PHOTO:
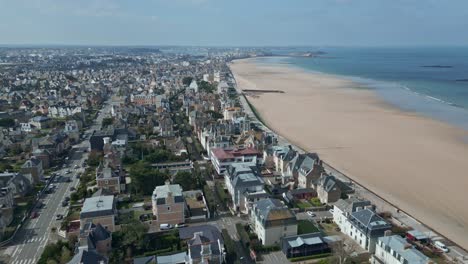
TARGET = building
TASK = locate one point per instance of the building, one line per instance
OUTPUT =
(168, 204)
(97, 238)
(40, 122)
(242, 180)
(271, 220)
(364, 226)
(196, 205)
(99, 210)
(222, 158)
(175, 166)
(108, 179)
(33, 167)
(395, 250)
(304, 245)
(194, 86)
(204, 244)
(328, 189)
(343, 208)
(86, 256)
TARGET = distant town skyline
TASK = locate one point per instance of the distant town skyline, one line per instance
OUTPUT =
(234, 23)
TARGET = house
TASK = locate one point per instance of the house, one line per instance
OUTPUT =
(166, 127)
(86, 256)
(416, 235)
(204, 244)
(176, 146)
(396, 250)
(42, 155)
(99, 210)
(240, 181)
(328, 188)
(97, 238)
(96, 140)
(168, 204)
(6, 208)
(40, 122)
(304, 245)
(343, 208)
(33, 167)
(304, 169)
(222, 158)
(364, 226)
(271, 220)
(18, 183)
(108, 179)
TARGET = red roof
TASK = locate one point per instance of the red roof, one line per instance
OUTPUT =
(222, 154)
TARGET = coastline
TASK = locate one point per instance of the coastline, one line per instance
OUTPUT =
(385, 149)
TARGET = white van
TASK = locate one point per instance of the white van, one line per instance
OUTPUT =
(165, 226)
(441, 246)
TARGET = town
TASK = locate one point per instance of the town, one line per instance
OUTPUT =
(153, 155)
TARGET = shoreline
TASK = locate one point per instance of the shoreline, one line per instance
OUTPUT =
(262, 108)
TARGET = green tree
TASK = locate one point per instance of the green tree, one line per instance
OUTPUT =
(144, 178)
(187, 80)
(186, 180)
(7, 122)
(66, 255)
(107, 121)
(94, 158)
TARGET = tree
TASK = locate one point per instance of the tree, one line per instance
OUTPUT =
(94, 158)
(187, 80)
(66, 255)
(206, 86)
(186, 180)
(107, 121)
(7, 122)
(144, 178)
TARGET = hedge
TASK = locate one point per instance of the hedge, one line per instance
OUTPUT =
(244, 237)
(231, 249)
(323, 255)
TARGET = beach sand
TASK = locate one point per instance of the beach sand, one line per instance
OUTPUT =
(415, 162)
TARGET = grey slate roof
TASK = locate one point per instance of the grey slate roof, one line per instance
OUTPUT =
(88, 257)
(368, 220)
(98, 206)
(198, 235)
(350, 205)
(398, 245)
(268, 210)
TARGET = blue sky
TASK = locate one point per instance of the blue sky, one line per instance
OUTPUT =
(235, 22)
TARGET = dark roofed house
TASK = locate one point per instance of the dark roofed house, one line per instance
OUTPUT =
(205, 244)
(328, 188)
(304, 245)
(96, 237)
(85, 256)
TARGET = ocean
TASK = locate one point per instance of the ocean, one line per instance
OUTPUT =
(430, 81)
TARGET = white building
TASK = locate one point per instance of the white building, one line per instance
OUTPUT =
(360, 223)
(395, 250)
(194, 86)
(222, 158)
(242, 180)
(271, 220)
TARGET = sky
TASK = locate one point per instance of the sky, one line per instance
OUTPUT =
(235, 22)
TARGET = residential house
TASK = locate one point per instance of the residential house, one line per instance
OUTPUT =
(87, 256)
(305, 169)
(42, 155)
(204, 244)
(176, 146)
(240, 181)
(99, 210)
(33, 167)
(197, 207)
(40, 122)
(396, 250)
(328, 188)
(271, 220)
(108, 179)
(18, 183)
(96, 237)
(364, 226)
(168, 204)
(222, 158)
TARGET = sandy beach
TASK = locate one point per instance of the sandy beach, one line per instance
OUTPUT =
(415, 162)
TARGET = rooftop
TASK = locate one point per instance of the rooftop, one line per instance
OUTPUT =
(405, 250)
(98, 206)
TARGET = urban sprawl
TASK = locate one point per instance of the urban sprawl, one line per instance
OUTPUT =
(145, 155)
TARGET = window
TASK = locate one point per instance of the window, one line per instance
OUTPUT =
(168, 208)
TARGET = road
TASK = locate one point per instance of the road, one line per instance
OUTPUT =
(29, 242)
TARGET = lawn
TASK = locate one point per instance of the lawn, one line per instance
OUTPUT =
(315, 202)
(330, 228)
(306, 227)
(303, 204)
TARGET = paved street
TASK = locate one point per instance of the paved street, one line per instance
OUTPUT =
(31, 239)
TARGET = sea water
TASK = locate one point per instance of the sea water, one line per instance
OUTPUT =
(432, 81)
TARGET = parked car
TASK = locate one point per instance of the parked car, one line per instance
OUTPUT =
(67, 198)
(59, 217)
(441, 246)
(64, 203)
(34, 215)
(72, 189)
(310, 214)
(165, 226)
(180, 225)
